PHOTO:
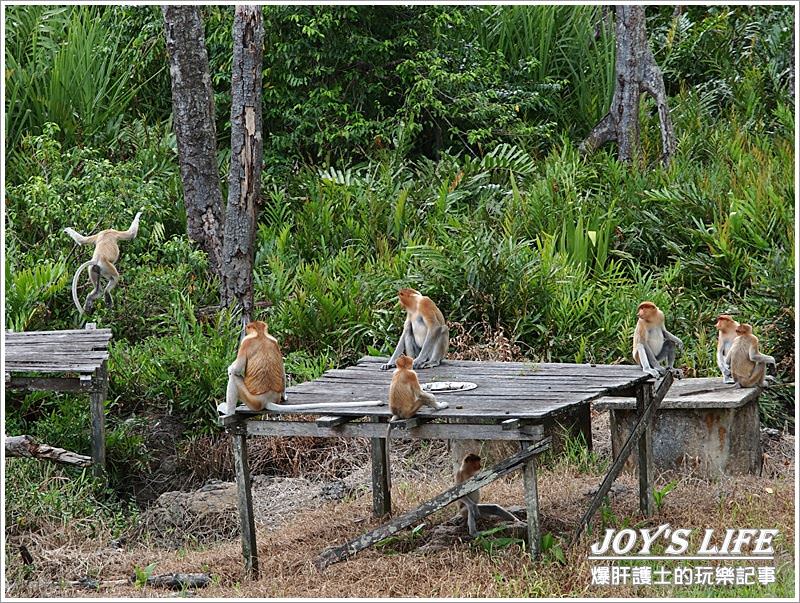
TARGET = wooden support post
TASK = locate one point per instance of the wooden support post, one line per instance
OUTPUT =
(531, 503)
(98, 410)
(245, 501)
(381, 486)
(479, 480)
(584, 422)
(644, 397)
(643, 424)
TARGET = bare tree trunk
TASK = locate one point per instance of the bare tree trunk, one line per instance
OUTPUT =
(195, 131)
(637, 73)
(246, 156)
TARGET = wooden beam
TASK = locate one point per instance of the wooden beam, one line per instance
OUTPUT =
(531, 505)
(479, 480)
(54, 384)
(644, 398)
(245, 501)
(642, 424)
(428, 431)
(98, 409)
(381, 477)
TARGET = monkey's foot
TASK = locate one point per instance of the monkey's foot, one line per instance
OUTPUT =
(222, 408)
(387, 366)
(652, 372)
(728, 380)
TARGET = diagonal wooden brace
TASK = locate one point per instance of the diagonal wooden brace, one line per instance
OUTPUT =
(477, 481)
(636, 434)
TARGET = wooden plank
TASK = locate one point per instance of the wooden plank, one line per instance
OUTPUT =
(495, 387)
(493, 409)
(376, 360)
(642, 424)
(55, 384)
(428, 431)
(65, 332)
(20, 367)
(356, 394)
(332, 421)
(381, 476)
(531, 505)
(700, 393)
(480, 480)
(98, 409)
(40, 356)
(245, 502)
(509, 424)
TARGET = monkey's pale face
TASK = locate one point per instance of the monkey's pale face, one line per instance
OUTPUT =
(724, 323)
(647, 311)
(407, 297)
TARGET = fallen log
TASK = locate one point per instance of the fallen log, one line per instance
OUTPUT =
(179, 581)
(24, 446)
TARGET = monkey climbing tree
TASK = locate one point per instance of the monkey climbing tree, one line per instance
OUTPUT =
(636, 73)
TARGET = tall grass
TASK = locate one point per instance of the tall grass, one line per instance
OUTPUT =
(63, 66)
(567, 45)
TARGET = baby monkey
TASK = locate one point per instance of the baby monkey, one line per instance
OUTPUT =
(470, 506)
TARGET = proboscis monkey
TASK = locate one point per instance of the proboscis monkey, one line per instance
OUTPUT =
(727, 333)
(470, 505)
(106, 253)
(257, 377)
(406, 398)
(652, 342)
(425, 336)
(746, 365)
(405, 393)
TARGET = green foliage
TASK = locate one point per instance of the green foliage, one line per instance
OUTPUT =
(48, 499)
(143, 574)
(660, 494)
(29, 290)
(64, 66)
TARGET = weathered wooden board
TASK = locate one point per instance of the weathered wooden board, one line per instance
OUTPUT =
(707, 392)
(428, 431)
(49, 384)
(51, 368)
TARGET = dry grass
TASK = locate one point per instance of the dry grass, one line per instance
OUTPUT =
(461, 569)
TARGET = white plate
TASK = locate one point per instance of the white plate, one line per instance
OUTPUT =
(448, 387)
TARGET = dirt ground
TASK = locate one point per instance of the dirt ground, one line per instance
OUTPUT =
(436, 559)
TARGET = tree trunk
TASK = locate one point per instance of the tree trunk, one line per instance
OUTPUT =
(246, 155)
(636, 73)
(195, 131)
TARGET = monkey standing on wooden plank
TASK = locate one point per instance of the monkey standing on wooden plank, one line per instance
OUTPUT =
(425, 336)
(106, 253)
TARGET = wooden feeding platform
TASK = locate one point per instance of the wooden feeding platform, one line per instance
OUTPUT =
(512, 401)
(64, 361)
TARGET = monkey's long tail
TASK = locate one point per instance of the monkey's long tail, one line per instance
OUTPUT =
(323, 405)
(75, 285)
